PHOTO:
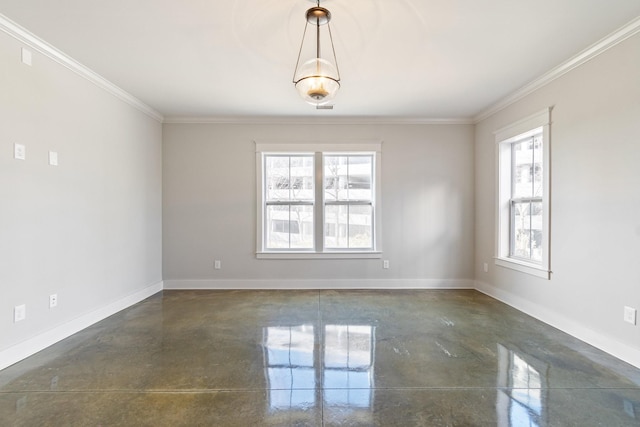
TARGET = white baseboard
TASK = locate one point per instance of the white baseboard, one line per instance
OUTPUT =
(322, 284)
(615, 348)
(33, 345)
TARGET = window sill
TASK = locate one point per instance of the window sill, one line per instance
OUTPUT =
(524, 267)
(319, 255)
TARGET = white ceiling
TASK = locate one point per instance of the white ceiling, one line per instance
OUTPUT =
(447, 59)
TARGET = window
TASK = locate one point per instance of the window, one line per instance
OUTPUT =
(348, 201)
(523, 195)
(289, 201)
(318, 200)
(525, 204)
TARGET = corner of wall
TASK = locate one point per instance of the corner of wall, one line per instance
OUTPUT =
(33, 345)
(613, 347)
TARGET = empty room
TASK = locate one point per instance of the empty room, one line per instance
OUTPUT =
(320, 213)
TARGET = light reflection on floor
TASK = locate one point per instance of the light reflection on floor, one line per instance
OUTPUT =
(521, 384)
(346, 368)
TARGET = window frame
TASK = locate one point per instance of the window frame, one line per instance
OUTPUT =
(319, 149)
(505, 138)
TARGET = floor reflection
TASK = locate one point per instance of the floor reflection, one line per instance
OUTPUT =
(289, 362)
(521, 385)
(293, 367)
(348, 365)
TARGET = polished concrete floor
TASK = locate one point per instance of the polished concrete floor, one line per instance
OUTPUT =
(320, 358)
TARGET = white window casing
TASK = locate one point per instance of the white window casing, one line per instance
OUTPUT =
(505, 138)
(319, 151)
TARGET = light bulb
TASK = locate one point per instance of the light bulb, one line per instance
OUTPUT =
(317, 81)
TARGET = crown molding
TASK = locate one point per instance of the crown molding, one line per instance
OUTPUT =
(618, 36)
(23, 35)
(306, 120)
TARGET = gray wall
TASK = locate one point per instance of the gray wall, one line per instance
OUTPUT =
(595, 212)
(209, 207)
(88, 229)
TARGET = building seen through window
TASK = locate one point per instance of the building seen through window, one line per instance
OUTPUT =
(298, 206)
(526, 198)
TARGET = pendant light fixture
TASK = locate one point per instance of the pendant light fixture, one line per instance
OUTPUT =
(318, 78)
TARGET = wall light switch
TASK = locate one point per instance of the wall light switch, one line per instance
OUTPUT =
(19, 313)
(486, 267)
(19, 152)
(26, 56)
(53, 158)
(630, 315)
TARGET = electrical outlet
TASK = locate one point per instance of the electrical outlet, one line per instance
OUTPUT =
(486, 267)
(630, 315)
(19, 313)
(217, 264)
(53, 300)
(385, 264)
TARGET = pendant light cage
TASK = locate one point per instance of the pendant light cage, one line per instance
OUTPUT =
(316, 76)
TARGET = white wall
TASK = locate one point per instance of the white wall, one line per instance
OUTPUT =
(595, 197)
(209, 208)
(88, 229)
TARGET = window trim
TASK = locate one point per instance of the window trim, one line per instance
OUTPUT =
(504, 138)
(319, 149)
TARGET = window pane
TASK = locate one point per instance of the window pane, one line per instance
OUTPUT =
(335, 178)
(360, 226)
(522, 169)
(289, 178)
(301, 226)
(336, 223)
(348, 226)
(302, 178)
(289, 227)
(360, 171)
(537, 166)
(277, 178)
(527, 230)
(527, 167)
(536, 231)
(348, 177)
